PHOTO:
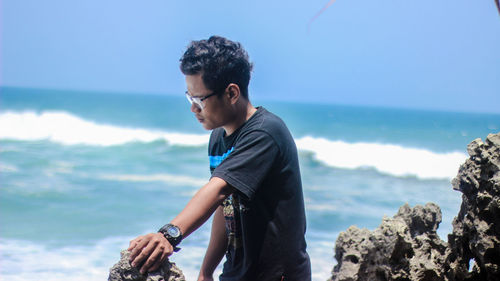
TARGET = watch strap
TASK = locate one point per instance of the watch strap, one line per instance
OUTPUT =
(174, 241)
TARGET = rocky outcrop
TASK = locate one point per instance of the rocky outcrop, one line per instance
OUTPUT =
(123, 271)
(407, 247)
(474, 245)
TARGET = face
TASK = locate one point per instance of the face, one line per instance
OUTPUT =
(215, 111)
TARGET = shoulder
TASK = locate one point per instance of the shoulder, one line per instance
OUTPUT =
(266, 127)
(216, 135)
(266, 121)
(270, 124)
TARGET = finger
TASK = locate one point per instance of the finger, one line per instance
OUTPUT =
(145, 252)
(156, 265)
(139, 248)
(153, 258)
(160, 261)
(134, 252)
(135, 240)
(139, 257)
(133, 243)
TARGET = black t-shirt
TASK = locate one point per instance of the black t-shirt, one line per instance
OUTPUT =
(265, 217)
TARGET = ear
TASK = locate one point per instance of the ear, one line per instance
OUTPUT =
(233, 92)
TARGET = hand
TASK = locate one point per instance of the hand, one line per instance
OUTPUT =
(152, 248)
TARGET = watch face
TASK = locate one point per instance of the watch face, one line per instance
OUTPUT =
(173, 231)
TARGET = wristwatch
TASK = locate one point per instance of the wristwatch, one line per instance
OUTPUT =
(173, 235)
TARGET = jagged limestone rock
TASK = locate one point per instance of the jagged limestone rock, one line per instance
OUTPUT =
(123, 271)
(407, 247)
(476, 230)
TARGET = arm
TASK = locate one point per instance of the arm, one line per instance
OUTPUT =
(216, 248)
(153, 248)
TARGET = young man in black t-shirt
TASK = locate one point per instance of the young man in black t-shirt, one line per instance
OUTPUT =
(255, 191)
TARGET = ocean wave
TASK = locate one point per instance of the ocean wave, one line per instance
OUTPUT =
(26, 260)
(386, 158)
(167, 178)
(68, 129)
(392, 159)
(5, 168)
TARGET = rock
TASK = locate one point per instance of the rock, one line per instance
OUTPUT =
(476, 229)
(407, 247)
(123, 271)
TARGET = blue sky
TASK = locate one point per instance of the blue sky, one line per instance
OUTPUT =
(425, 54)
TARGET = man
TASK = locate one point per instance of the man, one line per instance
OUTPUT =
(255, 190)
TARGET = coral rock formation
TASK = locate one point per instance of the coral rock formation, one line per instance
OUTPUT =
(123, 271)
(476, 230)
(407, 247)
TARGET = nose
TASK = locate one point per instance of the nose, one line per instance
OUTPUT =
(195, 108)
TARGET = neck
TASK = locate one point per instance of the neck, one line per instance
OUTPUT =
(243, 112)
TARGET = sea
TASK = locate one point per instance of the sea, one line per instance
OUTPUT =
(83, 173)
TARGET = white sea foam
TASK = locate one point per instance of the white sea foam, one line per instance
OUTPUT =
(5, 168)
(68, 129)
(26, 260)
(167, 178)
(321, 256)
(23, 260)
(65, 128)
(387, 158)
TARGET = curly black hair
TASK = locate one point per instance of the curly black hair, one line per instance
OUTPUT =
(220, 61)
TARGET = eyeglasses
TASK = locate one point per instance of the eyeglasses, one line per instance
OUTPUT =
(198, 101)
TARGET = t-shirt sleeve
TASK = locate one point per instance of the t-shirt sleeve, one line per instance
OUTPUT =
(249, 163)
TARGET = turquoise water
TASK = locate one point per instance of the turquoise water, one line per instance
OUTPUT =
(83, 173)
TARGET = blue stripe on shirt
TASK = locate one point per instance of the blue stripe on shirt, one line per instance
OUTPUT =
(217, 159)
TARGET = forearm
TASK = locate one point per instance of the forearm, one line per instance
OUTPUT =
(152, 249)
(217, 246)
(202, 205)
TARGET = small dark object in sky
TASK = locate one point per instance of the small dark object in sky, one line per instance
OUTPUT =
(321, 11)
(331, 2)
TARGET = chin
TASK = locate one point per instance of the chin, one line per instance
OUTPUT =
(207, 127)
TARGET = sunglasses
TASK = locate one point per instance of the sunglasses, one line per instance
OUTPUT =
(198, 101)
